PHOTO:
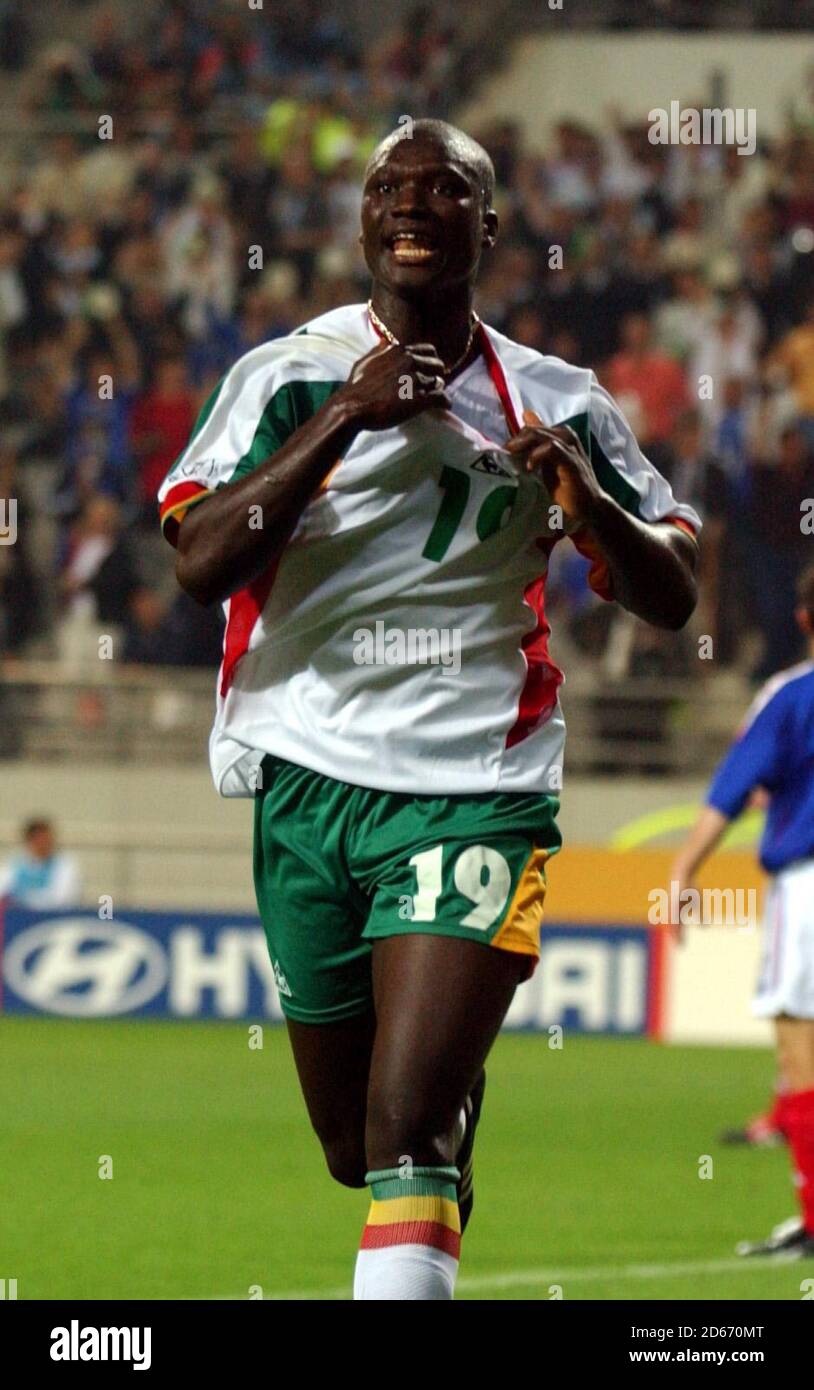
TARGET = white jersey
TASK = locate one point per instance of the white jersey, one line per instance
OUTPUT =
(400, 640)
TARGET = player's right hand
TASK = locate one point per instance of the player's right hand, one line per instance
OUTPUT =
(392, 384)
(679, 880)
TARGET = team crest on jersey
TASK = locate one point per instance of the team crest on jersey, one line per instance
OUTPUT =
(487, 463)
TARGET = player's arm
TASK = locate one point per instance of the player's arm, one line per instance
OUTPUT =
(651, 565)
(753, 761)
(221, 547)
(704, 837)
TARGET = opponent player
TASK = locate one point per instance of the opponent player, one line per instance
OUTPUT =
(775, 751)
(366, 499)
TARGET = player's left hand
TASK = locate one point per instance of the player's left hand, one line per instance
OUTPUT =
(555, 453)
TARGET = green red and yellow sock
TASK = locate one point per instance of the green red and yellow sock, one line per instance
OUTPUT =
(411, 1243)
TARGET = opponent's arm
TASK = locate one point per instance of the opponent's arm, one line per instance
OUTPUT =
(754, 760)
(707, 832)
(651, 564)
(219, 552)
(705, 835)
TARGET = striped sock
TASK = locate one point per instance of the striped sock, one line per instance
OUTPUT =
(412, 1240)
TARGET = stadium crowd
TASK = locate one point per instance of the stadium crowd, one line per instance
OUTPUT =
(134, 270)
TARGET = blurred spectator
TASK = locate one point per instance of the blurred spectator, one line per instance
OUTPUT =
(200, 258)
(777, 546)
(795, 355)
(40, 876)
(696, 476)
(726, 352)
(649, 386)
(298, 215)
(160, 426)
(99, 577)
(98, 407)
(181, 633)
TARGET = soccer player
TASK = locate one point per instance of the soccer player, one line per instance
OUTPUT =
(775, 751)
(374, 498)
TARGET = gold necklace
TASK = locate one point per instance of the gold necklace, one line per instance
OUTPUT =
(391, 337)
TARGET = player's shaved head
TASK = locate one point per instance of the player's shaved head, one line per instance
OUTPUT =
(453, 142)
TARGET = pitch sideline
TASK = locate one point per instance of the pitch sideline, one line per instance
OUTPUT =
(520, 1278)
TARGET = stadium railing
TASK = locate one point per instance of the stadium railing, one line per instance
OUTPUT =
(148, 714)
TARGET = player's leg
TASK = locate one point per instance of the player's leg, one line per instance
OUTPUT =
(795, 1042)
(313, 917)
(785, 993)
(456, 886)
(333, 1066)
(792, 928)
(440, 1002)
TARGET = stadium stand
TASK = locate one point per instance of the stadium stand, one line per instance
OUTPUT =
(127, 259)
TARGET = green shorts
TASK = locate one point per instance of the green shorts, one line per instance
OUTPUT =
(336, 866)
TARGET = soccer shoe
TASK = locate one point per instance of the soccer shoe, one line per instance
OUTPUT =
(790, 1239)
(760, 1133)
(464, 1160)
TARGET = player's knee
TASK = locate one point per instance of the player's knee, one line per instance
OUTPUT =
(346, 1161)
(421, 1131)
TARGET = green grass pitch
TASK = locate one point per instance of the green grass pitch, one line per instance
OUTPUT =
(587, 1170)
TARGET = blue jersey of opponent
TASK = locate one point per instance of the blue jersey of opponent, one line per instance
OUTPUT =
(775, 750)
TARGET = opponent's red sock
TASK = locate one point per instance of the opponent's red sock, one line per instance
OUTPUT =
(777, 1115)
(798, 1126)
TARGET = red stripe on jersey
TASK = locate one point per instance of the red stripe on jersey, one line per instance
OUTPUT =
(682, 525)
(543, 679)
(245, 608)
(182, 492)
(494, 368)
(498, 376)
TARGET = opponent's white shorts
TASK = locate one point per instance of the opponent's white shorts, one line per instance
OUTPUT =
(786, 979)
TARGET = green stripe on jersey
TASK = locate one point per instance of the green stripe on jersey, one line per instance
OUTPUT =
(291, 406)
(609, 477)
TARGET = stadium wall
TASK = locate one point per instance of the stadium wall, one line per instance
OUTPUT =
(174, 859)
(550, 79)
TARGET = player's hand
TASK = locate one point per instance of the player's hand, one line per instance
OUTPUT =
(679, 877)
(392, 384)
(555, 453)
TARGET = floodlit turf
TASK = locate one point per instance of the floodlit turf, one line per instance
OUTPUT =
(587, 1169)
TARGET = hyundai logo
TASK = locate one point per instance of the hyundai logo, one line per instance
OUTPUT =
(81, 967)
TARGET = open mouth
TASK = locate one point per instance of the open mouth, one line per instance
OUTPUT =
(412, 248)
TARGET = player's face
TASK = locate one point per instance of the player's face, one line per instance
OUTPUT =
(423, 220)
